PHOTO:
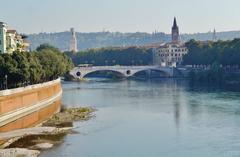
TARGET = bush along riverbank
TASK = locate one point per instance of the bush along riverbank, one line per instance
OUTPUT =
(215, 74)
(26, 68)
(221, 58)
(29, 142)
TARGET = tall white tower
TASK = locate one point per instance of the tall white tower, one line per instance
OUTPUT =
(73, 42)
(3, 31)
(214, 35)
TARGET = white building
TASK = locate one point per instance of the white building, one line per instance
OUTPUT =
(11, 41)
(170, 54)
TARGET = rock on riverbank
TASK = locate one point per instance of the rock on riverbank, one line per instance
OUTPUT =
(19, 152)
(67, 116)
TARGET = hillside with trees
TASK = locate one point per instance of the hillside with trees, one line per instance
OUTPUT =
(220, 61)
(117, 39)
(226, 53)
(113, 56)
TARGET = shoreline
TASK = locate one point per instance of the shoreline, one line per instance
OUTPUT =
(30, 142)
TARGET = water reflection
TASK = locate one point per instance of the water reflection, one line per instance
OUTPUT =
(177, 111)
(153, 118)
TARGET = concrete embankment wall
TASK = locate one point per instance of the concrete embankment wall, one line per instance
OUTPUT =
(29, 106)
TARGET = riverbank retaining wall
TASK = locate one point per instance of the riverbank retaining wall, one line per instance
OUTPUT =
(29, 106)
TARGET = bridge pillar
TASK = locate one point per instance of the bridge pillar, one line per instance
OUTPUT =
(149, 73)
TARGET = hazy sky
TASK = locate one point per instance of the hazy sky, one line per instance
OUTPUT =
(34, 16)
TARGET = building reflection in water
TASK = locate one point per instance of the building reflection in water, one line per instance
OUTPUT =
(177, 105)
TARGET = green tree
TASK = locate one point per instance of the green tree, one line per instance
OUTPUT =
(43, 65)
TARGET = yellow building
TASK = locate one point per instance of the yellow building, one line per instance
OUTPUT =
(11, 41)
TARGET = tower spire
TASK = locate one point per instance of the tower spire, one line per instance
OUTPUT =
(175, 23)
(175, 31)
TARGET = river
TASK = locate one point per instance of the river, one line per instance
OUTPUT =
(165, 118)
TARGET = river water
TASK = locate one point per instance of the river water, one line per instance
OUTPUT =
(165, 118)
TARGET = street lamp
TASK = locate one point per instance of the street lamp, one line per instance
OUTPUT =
(6, 79)
(133, 62)
(106, 62)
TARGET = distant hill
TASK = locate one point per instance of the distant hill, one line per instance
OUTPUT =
(116, 39)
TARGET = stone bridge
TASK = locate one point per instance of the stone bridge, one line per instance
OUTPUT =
(124, 71)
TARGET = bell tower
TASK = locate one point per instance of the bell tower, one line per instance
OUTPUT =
(73, 42)
(214, 35)
(3, 31)
(175, 32)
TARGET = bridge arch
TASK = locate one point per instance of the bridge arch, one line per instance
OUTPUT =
(128, 72)
(78, 73)
(105, 72)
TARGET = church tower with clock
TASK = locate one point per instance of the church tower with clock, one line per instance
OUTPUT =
(175, 32)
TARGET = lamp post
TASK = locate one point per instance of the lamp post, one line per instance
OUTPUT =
(133, 62)
(6, 79)
(106, 62)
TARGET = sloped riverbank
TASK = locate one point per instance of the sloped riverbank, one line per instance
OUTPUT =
(29, 142)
